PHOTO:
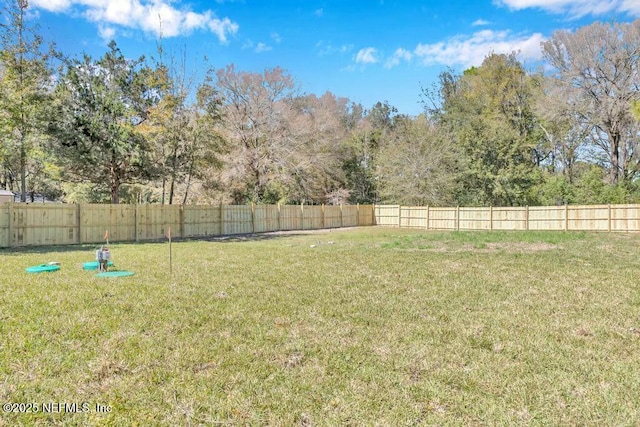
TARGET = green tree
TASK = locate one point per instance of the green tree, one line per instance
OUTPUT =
(100, 104)
(487, 111)
(25, 85)
(180, 130)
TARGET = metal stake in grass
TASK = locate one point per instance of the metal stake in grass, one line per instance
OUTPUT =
(170, 251)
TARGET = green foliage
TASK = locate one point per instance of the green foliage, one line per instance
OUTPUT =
(24, 96)
(635, 109)
(555, 190)
(488, 112)
(100, 103)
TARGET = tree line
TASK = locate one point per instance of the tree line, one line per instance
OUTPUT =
(113, 129)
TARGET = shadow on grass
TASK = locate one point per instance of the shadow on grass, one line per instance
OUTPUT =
(232, 238)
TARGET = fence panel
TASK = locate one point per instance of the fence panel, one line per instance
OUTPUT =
(154, 220)
(442, 218)
(387, 215)
(365, 215)
(43, 224)
(96, 219)
(625, 218)
(474, 218)
(312, 217)
(590, 218)
(413, 216)
(332, 217)
(266, 218)
(510, 218)
(202, 221)
(349, 215)
(546, 218)
(237, 219)
(290, 217)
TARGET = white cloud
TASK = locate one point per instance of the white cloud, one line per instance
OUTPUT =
(480, 22)
(261, 47)
(158, 17)
(576, 8)
(276, 37)
(325, 48)
(399, 55)
(107, 33)
(468, 51)
(367, 56)
(319, 12)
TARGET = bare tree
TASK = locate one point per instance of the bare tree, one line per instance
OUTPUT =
(417, 164)
(597, 67)
(312, 157)
(254, 110)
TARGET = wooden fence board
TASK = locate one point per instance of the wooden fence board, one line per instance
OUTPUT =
(237, 219)
(387, 215)
(35, 225)
(202, 221)
(332, 217)
(349, 215)
(365, 215)
(312, 217)
(442, 218)
(413, 216)
(474, 219)
(6, 210)
(266, 218)
(546, 217)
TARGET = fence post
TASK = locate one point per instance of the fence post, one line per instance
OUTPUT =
(427, 227)
(490, 218)
(79, 220)
(357, 214)
(609, 218)
(182, 220)
(324, 221)
(341, 220)
(399, 215)
(566, 217)
(9, 227)
(279, 225)
(136, 222)
(253, 218)
(526, 217)
(221, 219)
(457, 218)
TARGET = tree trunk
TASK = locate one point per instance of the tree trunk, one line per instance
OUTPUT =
(23, 172)
(615, 157)
(114, 186)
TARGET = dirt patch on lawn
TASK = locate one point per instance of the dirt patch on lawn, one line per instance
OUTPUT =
(521, 247)
(498, 247)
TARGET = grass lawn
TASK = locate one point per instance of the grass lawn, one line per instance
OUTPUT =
(381, 326)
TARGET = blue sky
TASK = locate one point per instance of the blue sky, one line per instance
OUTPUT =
(367, 51)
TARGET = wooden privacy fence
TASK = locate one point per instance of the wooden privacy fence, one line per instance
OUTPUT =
(62, 224)
(622, 218)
